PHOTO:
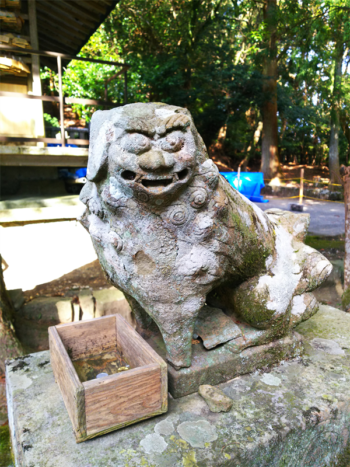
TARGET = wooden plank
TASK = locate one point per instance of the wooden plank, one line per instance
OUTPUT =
(67, 100)
(58, 6)
(115, 400)
(46, 53)
(95, 6)
(80, 100)
(59, 28)
(88, 337)
(24, 139)
(139, 353)
(79, 11)
(60, 49)
(54, 12)
(30, 160)
(65, 39)
(70, 386)
(55, 45)
(135, 349)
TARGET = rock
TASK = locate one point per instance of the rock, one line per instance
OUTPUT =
(87, 304)
(34, 318)
(111, 301)
(216, 399)
(214, 327)
(173, 235)
(17, 298)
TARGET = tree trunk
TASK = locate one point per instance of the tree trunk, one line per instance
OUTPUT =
(335, 117)
(346, 130)
(10, 346)
(269, 148)
(346, 294)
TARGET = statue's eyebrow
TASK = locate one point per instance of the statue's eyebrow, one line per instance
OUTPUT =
(176, 122)
(139, 126)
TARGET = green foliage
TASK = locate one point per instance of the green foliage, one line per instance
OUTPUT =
(51, 121)
(209, 56)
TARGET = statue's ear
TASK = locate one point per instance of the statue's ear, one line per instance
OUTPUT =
(101, 135)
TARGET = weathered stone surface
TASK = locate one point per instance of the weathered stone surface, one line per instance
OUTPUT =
(214, 327)
(215, 398)
(224, 363)
(34, 318)
(17, 298)
(111, 301)
(296, 415)
(173, 235)
(87, 304)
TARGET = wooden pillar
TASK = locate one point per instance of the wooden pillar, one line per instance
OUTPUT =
(34, 42)
(60, 94)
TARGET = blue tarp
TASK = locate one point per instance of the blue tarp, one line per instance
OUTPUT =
(250, 184)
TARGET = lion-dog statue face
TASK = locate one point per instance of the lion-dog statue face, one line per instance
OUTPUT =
(176, 238)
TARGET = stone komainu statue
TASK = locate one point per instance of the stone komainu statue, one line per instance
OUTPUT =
(173, 235)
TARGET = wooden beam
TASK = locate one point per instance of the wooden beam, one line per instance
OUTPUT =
(67, 100)
(20, 95)
(63, 56)
(59, 5)
(55, 13)
(79, 10)
(26, 160)
(95, 6)
(59, 30)
(48, 45)
(55, 44)
(20, 139)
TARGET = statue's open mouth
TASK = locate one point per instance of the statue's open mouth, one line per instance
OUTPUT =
(156, 183)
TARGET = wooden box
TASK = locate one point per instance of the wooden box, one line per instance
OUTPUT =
(102, 405)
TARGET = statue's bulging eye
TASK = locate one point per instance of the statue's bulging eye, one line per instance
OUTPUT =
(135, 143)
(173, 142)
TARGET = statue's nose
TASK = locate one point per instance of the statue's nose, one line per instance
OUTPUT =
(154, 160)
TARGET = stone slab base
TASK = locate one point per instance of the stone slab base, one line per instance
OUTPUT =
(297, 414)
(221, 364)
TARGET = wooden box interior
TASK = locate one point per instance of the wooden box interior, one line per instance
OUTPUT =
(102, 405)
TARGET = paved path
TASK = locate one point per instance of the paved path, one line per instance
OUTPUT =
(326, 218)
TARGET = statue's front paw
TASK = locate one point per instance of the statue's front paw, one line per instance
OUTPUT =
(236, 345)
(179, 363)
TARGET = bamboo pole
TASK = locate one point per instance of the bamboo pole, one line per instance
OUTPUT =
(301, 190)
(125, 86)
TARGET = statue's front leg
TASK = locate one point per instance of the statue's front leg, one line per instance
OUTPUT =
(176, 323)
(178, 343)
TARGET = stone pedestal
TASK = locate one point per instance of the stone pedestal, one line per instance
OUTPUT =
(295, 414)
(221, 364)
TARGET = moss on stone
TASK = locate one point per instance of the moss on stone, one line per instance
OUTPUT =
(324, 243)
(5, 447)
(345, 299)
